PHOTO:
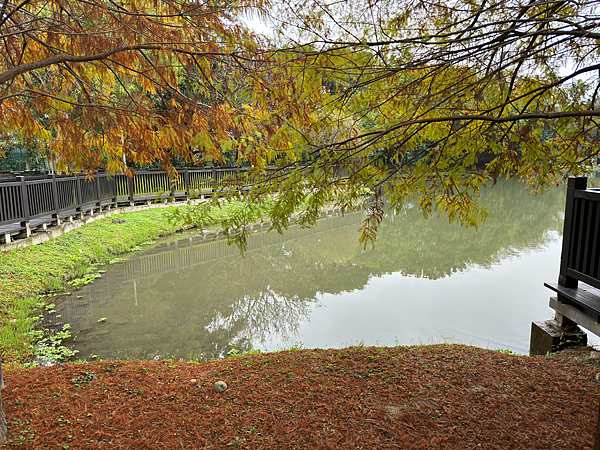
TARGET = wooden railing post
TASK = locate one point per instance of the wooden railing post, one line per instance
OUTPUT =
(131, 190)
(173, 182)
(214, 178)
(98, 190)
(186, 182)
(25, 206)
(56, 214)
(114, 188)
(79, 207)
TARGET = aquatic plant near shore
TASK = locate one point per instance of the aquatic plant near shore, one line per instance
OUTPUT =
(48, 348)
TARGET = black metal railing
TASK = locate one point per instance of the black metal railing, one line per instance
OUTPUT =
(27, 203)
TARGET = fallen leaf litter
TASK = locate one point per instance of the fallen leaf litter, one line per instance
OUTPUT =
(424, 397)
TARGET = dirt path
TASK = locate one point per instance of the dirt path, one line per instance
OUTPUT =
(425, 397)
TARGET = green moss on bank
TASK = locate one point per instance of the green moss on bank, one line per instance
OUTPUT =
(27, 273)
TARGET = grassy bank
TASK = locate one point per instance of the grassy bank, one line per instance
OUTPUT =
(28, 275)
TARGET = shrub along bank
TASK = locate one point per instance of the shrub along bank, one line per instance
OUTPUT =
(30, 277)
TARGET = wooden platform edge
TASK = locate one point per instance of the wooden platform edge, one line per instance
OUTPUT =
(576, 315)
(582, 297)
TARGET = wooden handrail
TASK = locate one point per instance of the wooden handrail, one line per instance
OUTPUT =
(29, 202)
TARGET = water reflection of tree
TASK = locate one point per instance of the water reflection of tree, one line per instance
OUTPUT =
(204, 310)
(433, 249)
(265, 293)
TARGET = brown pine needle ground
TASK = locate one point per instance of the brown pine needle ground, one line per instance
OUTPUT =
(425, 397)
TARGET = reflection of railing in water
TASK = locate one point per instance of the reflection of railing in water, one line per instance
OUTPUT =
(183, 256)
(177, 256)
(75, 309)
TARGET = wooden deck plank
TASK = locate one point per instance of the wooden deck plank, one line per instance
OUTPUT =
(584, 296)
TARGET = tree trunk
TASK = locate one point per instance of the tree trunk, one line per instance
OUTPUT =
(3, 430)
(597, 443)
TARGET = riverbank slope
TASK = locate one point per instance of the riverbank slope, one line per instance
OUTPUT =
(423, 397)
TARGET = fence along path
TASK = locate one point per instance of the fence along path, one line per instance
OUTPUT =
(182, 255)
(28, 204)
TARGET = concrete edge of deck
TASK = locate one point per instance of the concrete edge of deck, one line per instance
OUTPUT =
(40, 237)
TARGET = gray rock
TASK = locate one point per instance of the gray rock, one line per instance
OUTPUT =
(594, 355)
(118, 221)
(220, 386)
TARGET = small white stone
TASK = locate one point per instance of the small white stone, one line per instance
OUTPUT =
(193, 381)
(220, 386)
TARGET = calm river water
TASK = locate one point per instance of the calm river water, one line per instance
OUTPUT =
(425, 282)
